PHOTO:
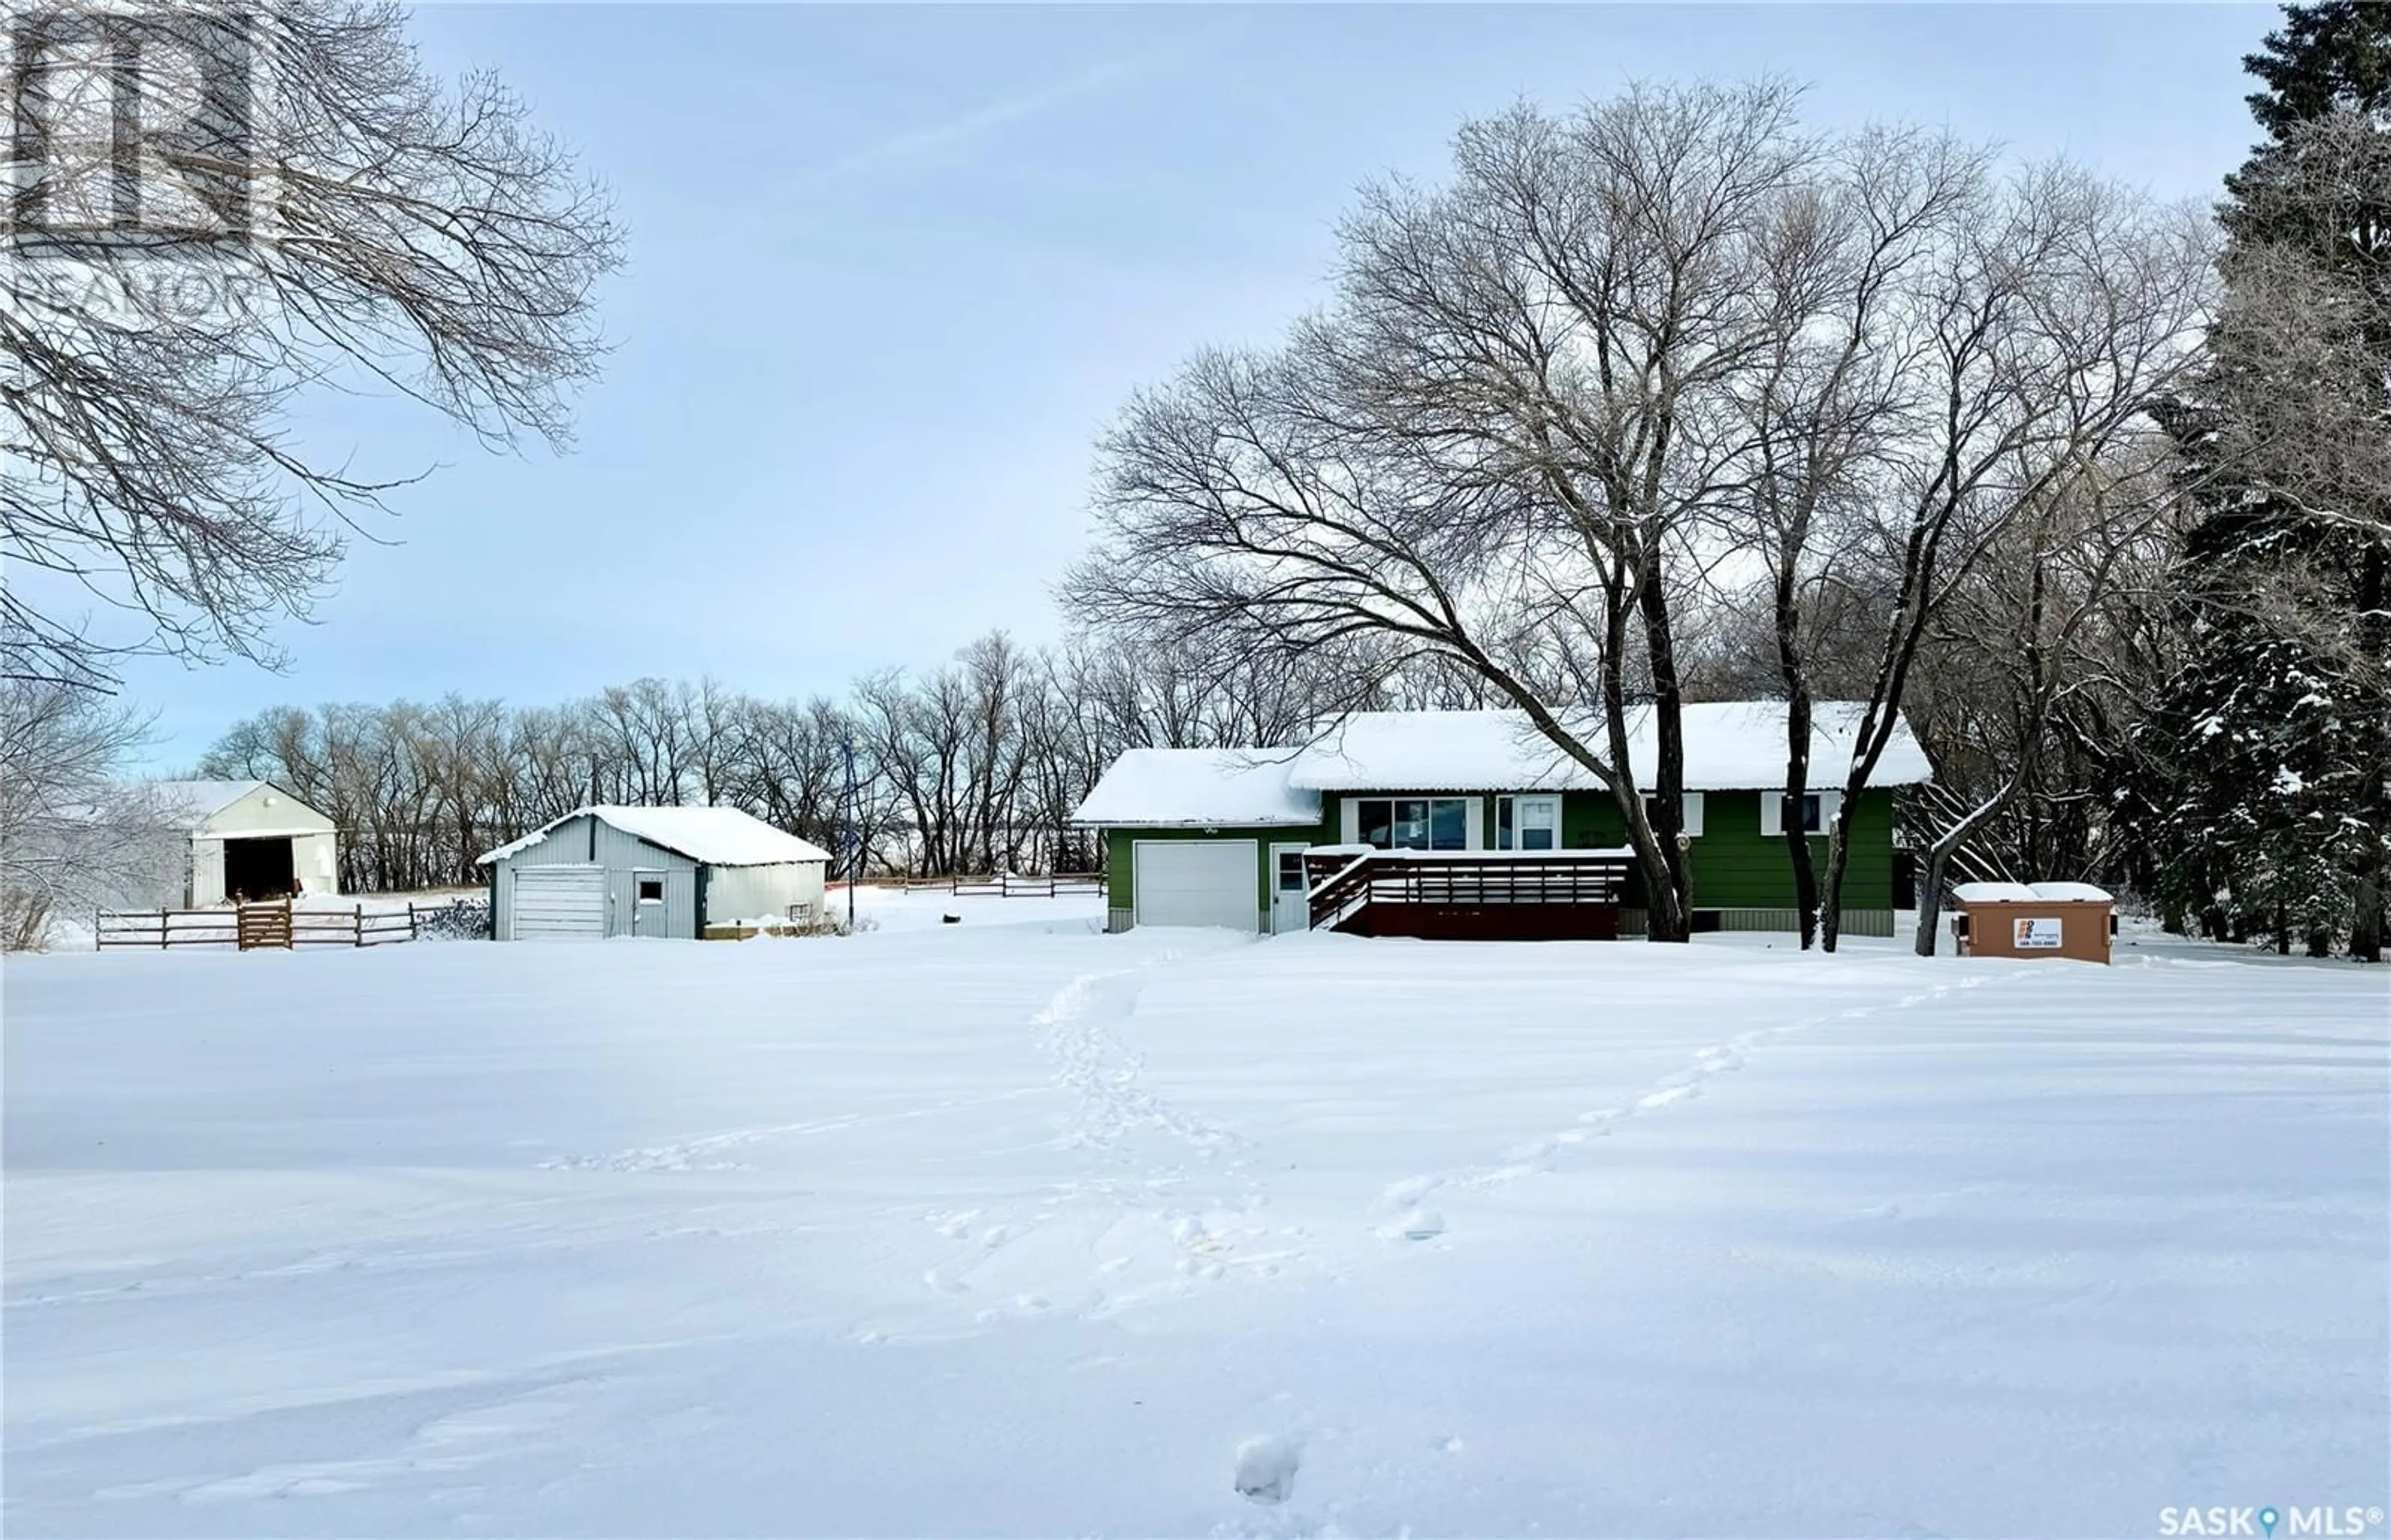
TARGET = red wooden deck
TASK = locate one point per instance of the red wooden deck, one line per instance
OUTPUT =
(1475, 895)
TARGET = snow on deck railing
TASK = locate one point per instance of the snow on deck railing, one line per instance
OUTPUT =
(1364, 853)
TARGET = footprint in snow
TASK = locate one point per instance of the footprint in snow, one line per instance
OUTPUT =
(1669, 1097)
(1266, 1467)
(1415, 1225)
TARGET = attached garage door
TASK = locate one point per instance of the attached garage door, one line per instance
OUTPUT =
(558, 901)
(1197, 882)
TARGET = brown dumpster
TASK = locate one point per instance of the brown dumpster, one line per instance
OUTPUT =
(2038, 919)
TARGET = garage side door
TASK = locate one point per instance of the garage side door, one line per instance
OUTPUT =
(1197, 882)
(558, 901)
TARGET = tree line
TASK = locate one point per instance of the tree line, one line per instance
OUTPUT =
(974, 766)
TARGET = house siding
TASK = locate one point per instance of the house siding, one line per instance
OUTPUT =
(1735, 866)
(1737, 869)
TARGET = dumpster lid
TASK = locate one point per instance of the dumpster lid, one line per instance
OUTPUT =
(2022, 893)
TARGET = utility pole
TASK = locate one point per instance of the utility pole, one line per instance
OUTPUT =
(853, 839)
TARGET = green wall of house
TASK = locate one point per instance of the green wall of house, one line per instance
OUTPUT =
(1735, 867)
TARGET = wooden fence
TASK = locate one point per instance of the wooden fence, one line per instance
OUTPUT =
(999, 885)
(253, 925)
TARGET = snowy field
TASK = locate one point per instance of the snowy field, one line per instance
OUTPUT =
(1009, 1227)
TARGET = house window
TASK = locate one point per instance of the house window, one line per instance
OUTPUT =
(1815, 810)
(1290, 872)
(1689, 817)
(1527, 822)
(1777, 810)
(651, 889)
(1414, 823)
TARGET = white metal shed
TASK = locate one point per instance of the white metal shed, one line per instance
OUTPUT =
(651, 871)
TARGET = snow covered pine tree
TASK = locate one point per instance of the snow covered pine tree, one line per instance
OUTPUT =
(2272, 743)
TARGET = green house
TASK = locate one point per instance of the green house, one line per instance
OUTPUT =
(1239, 837)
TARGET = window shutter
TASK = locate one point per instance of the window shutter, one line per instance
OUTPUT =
(1692, 803)
(1772, 814)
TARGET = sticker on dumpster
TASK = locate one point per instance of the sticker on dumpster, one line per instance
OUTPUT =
(2037, 934)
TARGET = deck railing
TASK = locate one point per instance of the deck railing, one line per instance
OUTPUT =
(1345, 882)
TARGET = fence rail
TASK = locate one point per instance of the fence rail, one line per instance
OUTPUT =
(996, 884)
(253, 925)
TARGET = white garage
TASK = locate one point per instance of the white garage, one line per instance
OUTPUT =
(553, 902)
(1202, 837)
(1197, 882)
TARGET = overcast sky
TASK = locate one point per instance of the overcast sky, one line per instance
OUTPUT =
(892, 269)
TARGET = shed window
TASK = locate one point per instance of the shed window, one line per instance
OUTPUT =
(651, 889)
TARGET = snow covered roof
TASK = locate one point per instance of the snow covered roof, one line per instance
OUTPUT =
(195, 804)
(1199, 789)
(2030, 892)
(1733, 745)
(716, 836)
(203, 799)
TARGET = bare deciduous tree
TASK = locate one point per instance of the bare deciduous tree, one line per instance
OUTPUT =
(1486, 454)
(2060, 312)
(74, 836)
(397, 234)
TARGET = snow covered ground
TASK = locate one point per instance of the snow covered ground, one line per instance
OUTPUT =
(1009, 1227)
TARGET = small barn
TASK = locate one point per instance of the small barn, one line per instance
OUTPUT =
(249, 840)
(666, 872)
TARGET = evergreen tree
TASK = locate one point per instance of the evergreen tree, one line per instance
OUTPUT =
(2332, 56)
(2272, 740)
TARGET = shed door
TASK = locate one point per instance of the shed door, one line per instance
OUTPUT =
(1197, 882)
(650, 912)
(558, 901)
